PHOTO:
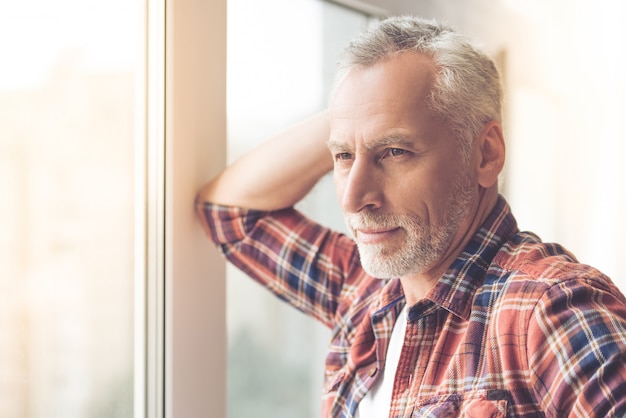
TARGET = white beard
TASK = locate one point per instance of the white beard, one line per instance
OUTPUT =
(423, 243)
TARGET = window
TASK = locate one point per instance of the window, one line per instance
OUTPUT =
(281, 62)
(70, 119)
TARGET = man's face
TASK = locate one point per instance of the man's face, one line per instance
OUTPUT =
(403, 185)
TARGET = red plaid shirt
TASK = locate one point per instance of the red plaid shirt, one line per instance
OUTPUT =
(515, 327)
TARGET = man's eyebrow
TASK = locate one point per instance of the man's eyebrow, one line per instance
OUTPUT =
(394, 138)
(335, 144)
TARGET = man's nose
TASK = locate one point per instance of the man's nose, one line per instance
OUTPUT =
(362, 188)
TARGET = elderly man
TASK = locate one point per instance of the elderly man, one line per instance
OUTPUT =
(439, 305)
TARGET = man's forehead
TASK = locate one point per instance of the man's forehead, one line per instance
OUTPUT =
(382, 92)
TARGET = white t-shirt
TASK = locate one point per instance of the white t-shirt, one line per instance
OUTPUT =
(377, 402)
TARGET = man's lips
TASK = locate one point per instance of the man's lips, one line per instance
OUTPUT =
(374, 236)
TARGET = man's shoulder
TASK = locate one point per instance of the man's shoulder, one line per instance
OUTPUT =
(539, 265)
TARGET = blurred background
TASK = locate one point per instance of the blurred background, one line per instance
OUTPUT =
(72, 118)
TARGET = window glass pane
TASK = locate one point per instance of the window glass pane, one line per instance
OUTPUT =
(281, 60)
(68, 116)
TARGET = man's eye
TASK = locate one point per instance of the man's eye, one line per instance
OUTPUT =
(394, 152)
(343, 156)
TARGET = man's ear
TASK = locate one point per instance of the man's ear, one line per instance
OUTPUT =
(491, 154)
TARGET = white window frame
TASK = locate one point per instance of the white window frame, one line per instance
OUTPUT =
(195, 150)
(180, 350)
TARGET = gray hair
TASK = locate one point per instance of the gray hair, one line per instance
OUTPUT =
(466, 93)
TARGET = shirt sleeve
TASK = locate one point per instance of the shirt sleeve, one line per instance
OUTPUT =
(577, 349)
(302, 262)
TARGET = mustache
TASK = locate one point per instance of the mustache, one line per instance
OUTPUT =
(372, 220)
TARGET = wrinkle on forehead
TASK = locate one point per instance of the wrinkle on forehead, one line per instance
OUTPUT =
(396, 138)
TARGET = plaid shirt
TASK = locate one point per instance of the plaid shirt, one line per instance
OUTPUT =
(514, 328)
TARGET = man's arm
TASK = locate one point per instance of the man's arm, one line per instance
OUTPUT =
(278, 173)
